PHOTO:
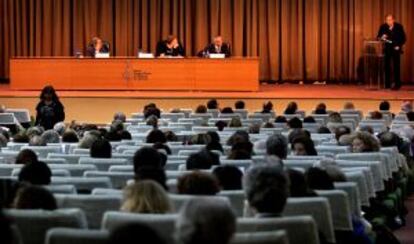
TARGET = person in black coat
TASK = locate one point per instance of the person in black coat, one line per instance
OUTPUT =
(217, 47)
(170, 47)
(49, 110)
(393, 35)
(97, 45)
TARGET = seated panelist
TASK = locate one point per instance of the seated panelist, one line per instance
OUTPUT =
(170, 47)
(97, 45)
(217, 47)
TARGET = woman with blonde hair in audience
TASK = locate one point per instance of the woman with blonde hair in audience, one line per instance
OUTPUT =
(146, 196)
(235, 123)
(364, 142)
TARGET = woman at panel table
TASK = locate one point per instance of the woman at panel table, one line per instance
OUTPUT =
(97, 45)
(170, 47)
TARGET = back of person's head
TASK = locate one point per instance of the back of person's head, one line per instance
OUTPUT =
(324, 130)
(201, 160)
(6, 231)
(212, 104)
(125, 135)
(376, 115)
(37, 173)
(239, 105)
(384, 106)
(342, 130)
(200, 139)
(152, 112)
(170, 136)
(60, 128)
(156, 136)
(101, 148)
(37, 141)
(198, 183)
(87, 140)
(34, 197)
(349, 106)
(152, 121)
(267, 107)
(235, 123)
(281, 119)
(241, 150)
(266, 188)
(227, 110)
(26, 156)
(254, 128)
(335, 173)
(318, 179)
(229, 177)
(146, 196)
(151, 173)
(303, 146)
(51, 136)
(237, 137)
(205, 221)
(295, 123)
(298, 133)
(390, 139)
(309, 119)
(291, 108)
(364, 142)
(201, 109)
(21, 137)
(335, 117)
(298, 184)
(135, 233)
(148, 157)
(3, 141)
(277, 145)
(120, 116)
(321, 109)
(410, 116)
(214, 136)
(220, 125)
(70, 136)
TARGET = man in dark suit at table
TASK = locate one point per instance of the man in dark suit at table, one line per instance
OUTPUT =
(97, 45)
(393, 35)
(170, 47)
(217, 47)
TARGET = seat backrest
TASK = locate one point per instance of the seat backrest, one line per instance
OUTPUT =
(103, 164)
(340, 206)
(22, 115)
(118, 179)
(270, 237)
(178, 201)
(34, 224)
(299, 229)
(237, 199)
(83, 184)
(7, 119)
(61, 189)
(354, 196)
(317, 207)
(70, 158)
(76, 170)
(163, 223)
(78, 236)
(94, 206)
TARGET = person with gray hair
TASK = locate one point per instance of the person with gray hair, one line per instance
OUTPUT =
(277, 145)
(37, 141)
(59, 128)
(120, 116)
(205, 221)
(87, 140)
(51, 136)
(34, 131)
(266, 188)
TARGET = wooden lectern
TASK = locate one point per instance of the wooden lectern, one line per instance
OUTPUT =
(374, 64)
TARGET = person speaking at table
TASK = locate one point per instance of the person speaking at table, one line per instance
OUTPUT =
(170, 47)
(393, 35)
(97, 45)
(217, 47)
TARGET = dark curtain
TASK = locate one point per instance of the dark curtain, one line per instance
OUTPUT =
(295, 39)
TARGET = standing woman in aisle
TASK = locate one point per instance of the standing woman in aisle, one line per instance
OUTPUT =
(49, 110)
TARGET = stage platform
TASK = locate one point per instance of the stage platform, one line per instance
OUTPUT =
(99, 106)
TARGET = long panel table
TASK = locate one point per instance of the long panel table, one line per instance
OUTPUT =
(233, 74)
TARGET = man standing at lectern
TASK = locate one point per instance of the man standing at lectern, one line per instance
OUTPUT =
(393, 35)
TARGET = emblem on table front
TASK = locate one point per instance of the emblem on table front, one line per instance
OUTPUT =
(140, 75)
(135, 74)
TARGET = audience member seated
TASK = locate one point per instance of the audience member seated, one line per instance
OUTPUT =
(37, 141)
(212, 104)
(202, 160)
(241, 151)
(6, 231)
(37, 173)
(101, 148)
(298, 133)
(148, 157)
(376, 115)
(49, 110)
(156, 136)
(410, 116)
(34, 197)
(321, 109)
(299, 185)
(170, 136)
(342, 130)
(407, 106)
(214, 144)
(295, 123)
(34, 131)
(152, 120)
(152, 111)
(205, 221)
(324, 130)
(318, 179)
(201, 109)
(21, 137)
(229, 177)
(309, 119)
(87, 140)
(291, 108)
(51, 136)
(135, 233)
(26, 156)
(364, 142)
(303, 146)
(277, 145)
(238, 136)
(267, 189)
(70, 136)
(198, 183)
(151, 173)
(3, 141)
(281, 119)
(267, 108)
(349, 106)
(239, 105)
(384, 106)
(254, 128)
(59, 128)
(235, 123)
(227, 110)
(146, 196)
(220, 125)
(334, 117)
(200, 139)
(120, 116)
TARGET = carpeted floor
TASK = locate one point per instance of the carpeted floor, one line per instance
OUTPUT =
(406, 234)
